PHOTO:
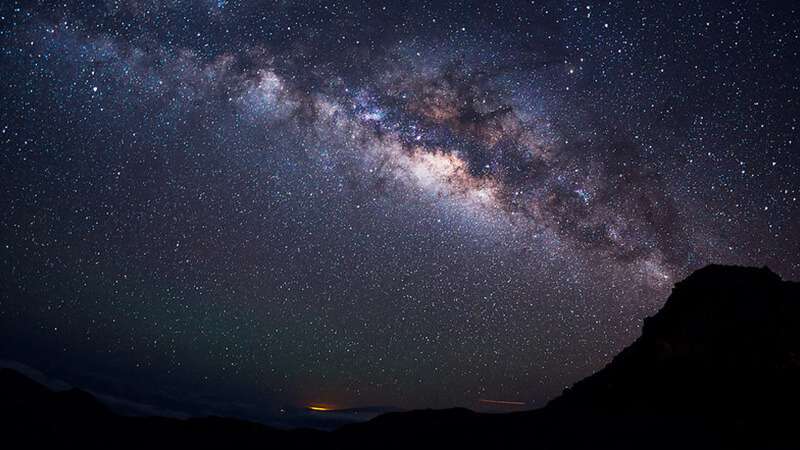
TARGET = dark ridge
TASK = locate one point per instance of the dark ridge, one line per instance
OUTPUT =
(16, 387)
(726, 342)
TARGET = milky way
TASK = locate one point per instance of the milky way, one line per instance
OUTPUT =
(244, 208)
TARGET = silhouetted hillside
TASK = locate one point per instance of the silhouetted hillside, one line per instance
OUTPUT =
(727, 342)
(35, 416)
(717, 367)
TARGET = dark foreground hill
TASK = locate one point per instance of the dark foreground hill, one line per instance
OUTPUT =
(717, 367)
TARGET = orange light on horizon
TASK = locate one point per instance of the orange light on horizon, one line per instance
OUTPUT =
(320, 407)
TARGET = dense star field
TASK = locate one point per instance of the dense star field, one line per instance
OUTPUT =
(244, 208)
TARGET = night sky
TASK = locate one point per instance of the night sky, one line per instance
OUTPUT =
(244, 208)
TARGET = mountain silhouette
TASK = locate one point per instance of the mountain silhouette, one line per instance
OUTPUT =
(36, 417)
(727, 342)
(717, 367)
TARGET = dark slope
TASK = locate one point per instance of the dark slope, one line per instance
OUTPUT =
(36, 417)
(717, 367)
(727, 342)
